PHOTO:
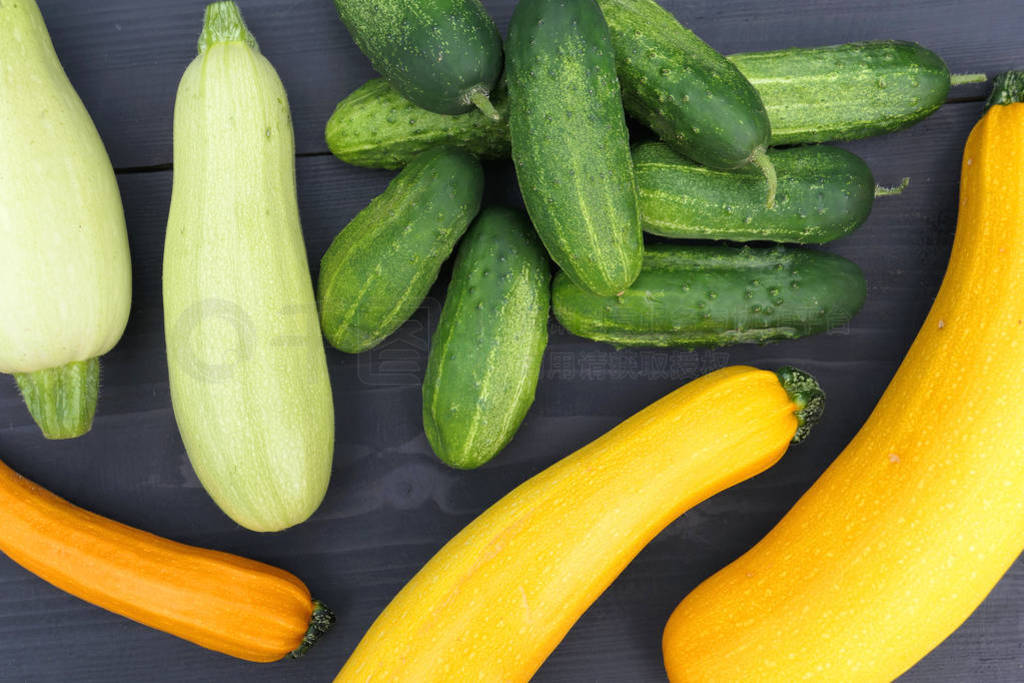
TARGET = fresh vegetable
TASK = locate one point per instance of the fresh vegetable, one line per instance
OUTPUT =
(247, 368)
(570, 144)
(824, 193)
(222, 602)
(690, 95)
(381, 266)
(486, 352)
(914, 523)
(65, 271)
(498, 598)
(839, 92)
(714, 295)
(444, 55)
(844, 92)
(377, 127)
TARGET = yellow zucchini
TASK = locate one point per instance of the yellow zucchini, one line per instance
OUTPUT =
(498, 598)
(910, 528)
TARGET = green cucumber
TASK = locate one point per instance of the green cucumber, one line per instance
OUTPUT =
(839, 92)
(570, 144)
(378, 128)
(690, 95)
(824, 193)
(844, 92)
(695, 296)
(486, 353)
(444, 55)
(378, 269)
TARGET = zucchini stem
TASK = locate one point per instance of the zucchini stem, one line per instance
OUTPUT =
(223, 23)
(893, 190)
(806, 394)
(62, 400)
(961, 79)
(319, 623)
(1008, 88)
(760, 159)
(478, 96)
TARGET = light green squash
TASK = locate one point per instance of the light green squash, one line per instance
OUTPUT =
(246, 361)
(65, 271)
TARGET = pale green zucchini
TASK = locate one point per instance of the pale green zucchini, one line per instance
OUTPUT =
(65, 272)
(247, 366)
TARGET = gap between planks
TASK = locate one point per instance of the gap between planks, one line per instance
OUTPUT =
(159, 168)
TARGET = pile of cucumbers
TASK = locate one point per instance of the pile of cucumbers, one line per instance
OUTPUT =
(555, 100)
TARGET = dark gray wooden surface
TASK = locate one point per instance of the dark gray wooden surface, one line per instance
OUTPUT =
(391, 504)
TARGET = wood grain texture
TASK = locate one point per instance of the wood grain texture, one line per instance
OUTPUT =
(392, 504)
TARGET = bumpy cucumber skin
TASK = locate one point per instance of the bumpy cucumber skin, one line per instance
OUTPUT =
(570, 144)
(381, 266)
(824, 193)
(845, 92)
(434, 52)
(486, 353)
(376, 127)
(699, 296)
(811, 95)
(685, 91)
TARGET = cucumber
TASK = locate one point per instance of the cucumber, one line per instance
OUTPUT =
(381, 266)
(486, 353)
(694, 296)
(378, 128)
(570, 144)
(444, 55)
(844, 92)
(824, 193)
(247, 369)
(840, 92)
(695, 99)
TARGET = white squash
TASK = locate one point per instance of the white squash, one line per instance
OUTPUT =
(65, 271)
(246, 360)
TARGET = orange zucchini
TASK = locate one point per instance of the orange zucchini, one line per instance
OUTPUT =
(910, 528)
(223, 602)
(498, 598)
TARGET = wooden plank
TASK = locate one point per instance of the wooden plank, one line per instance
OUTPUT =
(125, 57)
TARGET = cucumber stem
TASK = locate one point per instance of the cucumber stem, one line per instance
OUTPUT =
(961, 79)
(319, 623)
(760, 159)
(891, 191)
(808, 396)
(478, 96)
(62, 400)
(223, 23)
(1008, 88)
